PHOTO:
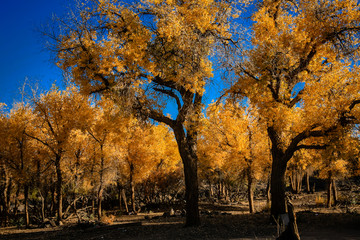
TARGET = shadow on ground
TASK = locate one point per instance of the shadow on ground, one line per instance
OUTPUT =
(243, 226)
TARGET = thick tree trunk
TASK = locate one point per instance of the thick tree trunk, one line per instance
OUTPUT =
(250, 192)
(59, 196)
(278, 200)
(26, 203)
(192, 192)
(187, 150)
(291, 232)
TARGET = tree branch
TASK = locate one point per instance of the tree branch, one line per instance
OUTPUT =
(171, 94)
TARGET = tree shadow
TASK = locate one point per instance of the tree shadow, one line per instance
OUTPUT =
(312, 225)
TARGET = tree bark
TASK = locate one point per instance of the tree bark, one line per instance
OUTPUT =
(8, 198)
(100, 191)
(16, 204)
(119, 195)
(278, 200)
(299, 176)
(307, 177)
(53, 200)
(26, 202)
(292, 182)
(334, 191)
(93, 206)
(42, 206)
(291, 232)
(329, 192)
(211, 192)
(59, 188)
(250, 192)
(125, 200)
(99, 198)
(280, 157)
(268, 192)
(187, 150)
(132, 188)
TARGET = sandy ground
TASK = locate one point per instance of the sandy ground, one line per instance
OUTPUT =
(218, 222)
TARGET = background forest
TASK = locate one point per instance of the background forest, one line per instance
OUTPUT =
(133, 132)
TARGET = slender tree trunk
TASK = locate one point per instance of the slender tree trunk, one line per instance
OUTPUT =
(298, 181)
(45, 196)
(40, 189)
(42, 199)
(329, 193)
(292, 182)
(59, 188)
(93, 206)
(119, 195)
(250, 192)
(132, 188)
(123, 194)
(8, 198)
(220, 186)
(53, 200)
(334, 191)
(268, 193)
(16, 204)
(26, 202)
(307, 175)
(100, 191)
(211, 192)
(99, 198)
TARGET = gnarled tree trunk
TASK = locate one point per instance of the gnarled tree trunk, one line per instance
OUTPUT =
(187, 149)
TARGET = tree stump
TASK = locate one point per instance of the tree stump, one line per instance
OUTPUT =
(291, 231)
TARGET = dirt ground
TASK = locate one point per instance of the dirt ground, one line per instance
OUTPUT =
(219, 221)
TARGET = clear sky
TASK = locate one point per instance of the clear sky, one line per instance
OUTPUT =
(21, 46)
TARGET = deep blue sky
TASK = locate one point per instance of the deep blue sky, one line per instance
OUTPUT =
(21, 45)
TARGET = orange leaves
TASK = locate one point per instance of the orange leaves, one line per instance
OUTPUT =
(234, 141)
(145, 147)
(116, 45)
